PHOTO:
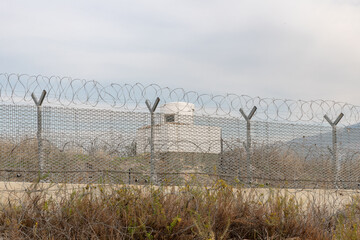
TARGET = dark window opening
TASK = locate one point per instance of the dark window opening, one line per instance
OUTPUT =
(170, 118)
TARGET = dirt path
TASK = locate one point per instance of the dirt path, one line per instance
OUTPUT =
(16, 191)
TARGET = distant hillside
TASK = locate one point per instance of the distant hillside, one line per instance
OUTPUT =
(348, 138)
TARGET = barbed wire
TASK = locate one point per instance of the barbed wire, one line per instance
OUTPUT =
(66, 91)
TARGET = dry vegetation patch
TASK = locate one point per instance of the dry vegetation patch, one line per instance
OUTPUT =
(190, 212)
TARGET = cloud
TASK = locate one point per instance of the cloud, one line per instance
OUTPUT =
(283, 49)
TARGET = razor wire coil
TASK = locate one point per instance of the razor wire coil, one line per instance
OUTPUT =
(66, 91)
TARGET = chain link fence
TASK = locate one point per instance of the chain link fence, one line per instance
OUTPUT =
(79, 131)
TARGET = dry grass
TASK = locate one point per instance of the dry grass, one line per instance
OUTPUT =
(219, 211)
(291, 166)
(190, 212)
(72, 164)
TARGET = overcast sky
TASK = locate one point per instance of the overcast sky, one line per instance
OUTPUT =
(295, 49)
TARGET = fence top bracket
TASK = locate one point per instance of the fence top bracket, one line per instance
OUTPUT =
(153, 108)
(337, 120)
(41, 100)
(251, 114)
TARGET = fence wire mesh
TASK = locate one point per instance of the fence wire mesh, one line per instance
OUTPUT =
(57, 130)
(89, 133)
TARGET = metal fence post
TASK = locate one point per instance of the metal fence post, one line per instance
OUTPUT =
(247, 145)
(38, 104)
(152, 109)
(333, 151)
(221, 166)
(130, 175)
